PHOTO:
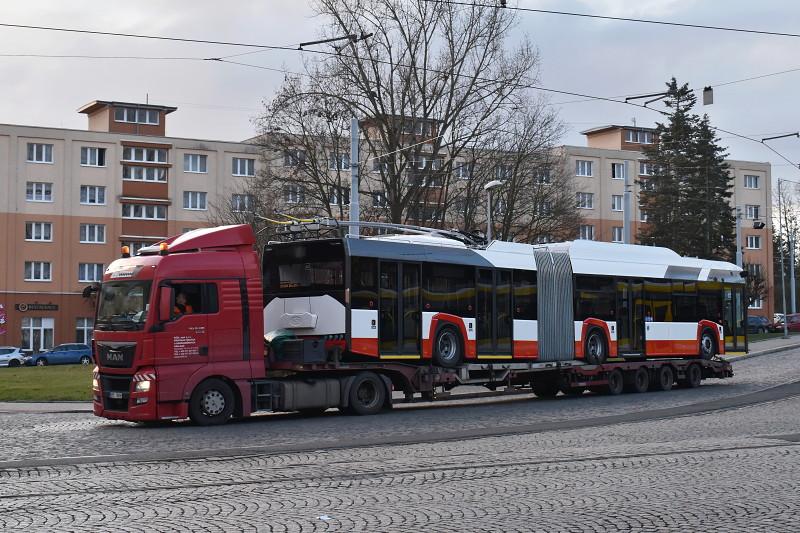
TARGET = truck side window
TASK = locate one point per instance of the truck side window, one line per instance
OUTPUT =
(194, 298)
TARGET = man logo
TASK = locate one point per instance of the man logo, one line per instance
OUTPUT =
(114, 356)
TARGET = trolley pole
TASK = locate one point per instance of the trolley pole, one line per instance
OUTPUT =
(355, 211)
(626, 204)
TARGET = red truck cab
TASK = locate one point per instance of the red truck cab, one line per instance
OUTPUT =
(179, 329)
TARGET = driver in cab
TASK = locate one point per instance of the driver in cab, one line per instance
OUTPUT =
(182, 306)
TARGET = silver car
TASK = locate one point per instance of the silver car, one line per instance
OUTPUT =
(10, 356)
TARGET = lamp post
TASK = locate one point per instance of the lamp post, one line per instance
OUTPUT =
(489, 187)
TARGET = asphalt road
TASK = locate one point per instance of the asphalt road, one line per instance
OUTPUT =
(723, 457)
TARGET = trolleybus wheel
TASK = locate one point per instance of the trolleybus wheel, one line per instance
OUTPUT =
(694, 375)
(665, 377)
(367, 394)
(616, 382)
(639, 380)
(447, 351)
(708, 344)
(212, 403)
(595, 348)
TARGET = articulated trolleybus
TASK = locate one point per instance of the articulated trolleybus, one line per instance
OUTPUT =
(192, 328)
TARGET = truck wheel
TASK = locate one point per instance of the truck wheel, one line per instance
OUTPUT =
(639, 380)
(665, 377)
(367, 394)
(694, 376)
(545, 388)
(616, 382)
(573, 391)
(708, 345)
(594, 351)
(212, 403)
(447, 350)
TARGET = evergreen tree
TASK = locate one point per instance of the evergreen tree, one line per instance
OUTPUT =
(687, 199)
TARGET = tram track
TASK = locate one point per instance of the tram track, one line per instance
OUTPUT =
(776, 393)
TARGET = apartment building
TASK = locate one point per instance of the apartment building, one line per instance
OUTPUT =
(599, 177)
(69, 199)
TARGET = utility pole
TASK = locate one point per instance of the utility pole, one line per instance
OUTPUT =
(783, 271)
(355, 211)
(626, 204)
(739, 261)
(489, 187)
(792, 291)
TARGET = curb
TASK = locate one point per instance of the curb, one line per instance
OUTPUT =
(768, 351)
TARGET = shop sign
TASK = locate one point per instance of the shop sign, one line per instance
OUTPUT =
(22, 308)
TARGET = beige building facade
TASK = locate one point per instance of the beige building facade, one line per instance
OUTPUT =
(69, 199)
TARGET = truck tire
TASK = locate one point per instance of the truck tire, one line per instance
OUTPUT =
(367, 394)
(448, 348)
(664, 378)
(212, 403)
(694, 376)
(545, 388)
(595, 350)
(708, 344)
(616, 382)
(639, 380)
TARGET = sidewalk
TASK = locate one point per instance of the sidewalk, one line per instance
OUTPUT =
(765, 347)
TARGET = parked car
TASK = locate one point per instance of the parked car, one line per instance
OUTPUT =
(777, 318)
(792, 322)
(11, 356)
(63, 354)
(758, 324)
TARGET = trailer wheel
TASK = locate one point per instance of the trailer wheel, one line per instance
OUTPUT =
(367, 394)
(595, 351)
(447, 349)
(212, 403)
(639, 380)
(616, 382)
(573, 391)
(708, 345)
(665, 377)
(545, 388)
(694, 376)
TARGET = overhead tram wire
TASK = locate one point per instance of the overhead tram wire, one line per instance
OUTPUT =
(619, 19)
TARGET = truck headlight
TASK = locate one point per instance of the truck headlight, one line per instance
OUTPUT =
(95, 384)
(142, 386)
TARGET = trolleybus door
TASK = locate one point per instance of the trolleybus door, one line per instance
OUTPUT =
(399, 316)
(630, 317)
(494, 321)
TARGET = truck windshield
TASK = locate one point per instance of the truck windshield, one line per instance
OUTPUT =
(123, 305)
(316, 266)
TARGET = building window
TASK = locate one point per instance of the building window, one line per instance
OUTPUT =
(244, 167)
(197, 163)
(294, 158)
(84, 330)
(242, 202)
(340, 162)
(642, 215)
(93, 195)
(752, 212)
(37, 191)
(616, 234)
(294, 194)
(39, 231)
(195, 200)
(757, 303)
(616, 202)
(134, 173)
(144, 212)
(93, 157)
(586, 232)
(750, 181)
(639, 136)
(647, 184)
(754, 242)
(40, 153)
(37, 333)
(543, 208)
(583, 168)
(585, 200)
(503, 172)
(93, 233)
(646, 169)
(617, 171)
(89, 272)
(753, 269)
(136, 116)
(380, 164)
(144, 155)
(463, 171)
(379, 199)
(339, 196)
(135, 246)
(37, 271)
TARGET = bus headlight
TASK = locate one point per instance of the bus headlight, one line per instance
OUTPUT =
(142, 386)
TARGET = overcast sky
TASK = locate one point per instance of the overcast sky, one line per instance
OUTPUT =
(218, 101)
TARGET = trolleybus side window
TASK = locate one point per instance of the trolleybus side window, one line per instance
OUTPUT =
(684, 301)
(448, 289)
(364, 282)
(503, 316)
(709, 301)
(658, 301)
(595, 297)
(304, 267)
(525, 294)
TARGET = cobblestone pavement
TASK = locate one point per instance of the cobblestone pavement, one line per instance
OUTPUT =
(728, 470)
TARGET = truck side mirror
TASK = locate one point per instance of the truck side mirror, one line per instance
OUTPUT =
(165, 304)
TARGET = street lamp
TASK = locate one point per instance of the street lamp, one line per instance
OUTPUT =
(489, 187)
